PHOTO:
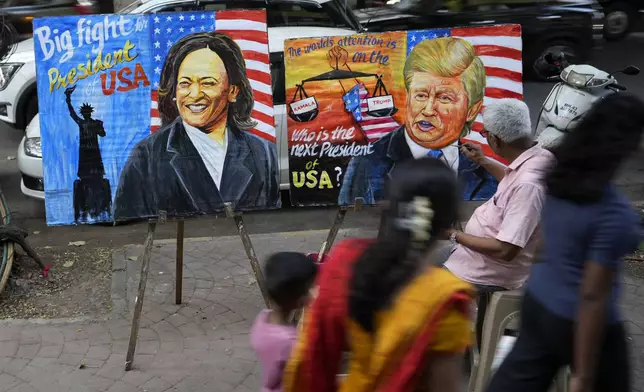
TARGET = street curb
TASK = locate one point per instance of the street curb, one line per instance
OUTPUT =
(58, 321)
(258, 236)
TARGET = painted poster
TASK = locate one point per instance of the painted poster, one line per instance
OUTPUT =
(359, 104)
(93, 97)
(185, 128)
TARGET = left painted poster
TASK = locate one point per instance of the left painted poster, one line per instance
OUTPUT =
(143, 115)
(94, 102)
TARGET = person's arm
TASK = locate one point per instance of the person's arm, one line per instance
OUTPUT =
(594, 296)
(444, 372)
(474, 152)
(521, 218)
(72, 112)
(495, 168)
(453, 335)
(488, 246)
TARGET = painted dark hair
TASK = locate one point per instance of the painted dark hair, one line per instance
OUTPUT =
(394, 259)
(589, 156)
(240, 110)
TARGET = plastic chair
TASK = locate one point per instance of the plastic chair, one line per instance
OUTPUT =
(502, 314)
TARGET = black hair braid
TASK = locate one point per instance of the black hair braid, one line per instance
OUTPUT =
(394, 259)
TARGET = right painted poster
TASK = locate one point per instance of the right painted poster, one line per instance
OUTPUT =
(358, 105)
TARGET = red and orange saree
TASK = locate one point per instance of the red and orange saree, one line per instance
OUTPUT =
(431, 314)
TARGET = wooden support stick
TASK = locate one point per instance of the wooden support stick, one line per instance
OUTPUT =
(328, 244)
(138, 306)
(250, 251)
(383, 206)
(333, 232)
(179, 274)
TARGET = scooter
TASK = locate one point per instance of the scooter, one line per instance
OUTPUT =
(578, 87)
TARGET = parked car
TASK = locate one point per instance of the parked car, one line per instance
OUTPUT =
(20, 13)
(30, 161)
(572, 27)
(287, 19)
(622, 17)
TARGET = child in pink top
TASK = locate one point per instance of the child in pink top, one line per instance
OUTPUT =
(289, 277)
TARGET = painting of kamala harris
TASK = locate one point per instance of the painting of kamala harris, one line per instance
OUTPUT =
(205, 153)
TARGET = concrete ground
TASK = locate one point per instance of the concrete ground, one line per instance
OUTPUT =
(201, 345)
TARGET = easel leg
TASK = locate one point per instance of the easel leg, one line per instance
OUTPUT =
(333, 232)
(335, 228)
(138, 307)
(328, 244)
(179, 274)
(250, 251)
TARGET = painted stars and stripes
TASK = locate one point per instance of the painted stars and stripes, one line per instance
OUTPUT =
(355, 101)
(499, 48)
(247, 28)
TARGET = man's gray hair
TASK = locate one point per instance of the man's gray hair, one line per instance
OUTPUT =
(508, 119)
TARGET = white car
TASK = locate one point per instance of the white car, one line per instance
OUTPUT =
(287, 19)
(30, 161)
(18, 99)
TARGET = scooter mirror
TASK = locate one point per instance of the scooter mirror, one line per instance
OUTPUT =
(631, 70)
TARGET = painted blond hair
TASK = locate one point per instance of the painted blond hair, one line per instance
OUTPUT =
(449, 57)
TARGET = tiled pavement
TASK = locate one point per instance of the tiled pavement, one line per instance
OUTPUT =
(202, 345)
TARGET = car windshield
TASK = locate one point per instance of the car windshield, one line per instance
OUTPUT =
(304, 13)
(409, 5)
(331, 13)
(131, 7)
(342, 14)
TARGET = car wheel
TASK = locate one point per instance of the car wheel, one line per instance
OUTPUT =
(31, 109)
(570, 49)
(617, 22)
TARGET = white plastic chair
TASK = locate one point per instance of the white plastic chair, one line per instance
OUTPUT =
(503, 313)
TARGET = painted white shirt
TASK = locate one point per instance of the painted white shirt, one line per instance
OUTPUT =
(450, 153)
(211, 152)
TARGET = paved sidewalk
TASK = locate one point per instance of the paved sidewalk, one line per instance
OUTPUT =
(202, 345)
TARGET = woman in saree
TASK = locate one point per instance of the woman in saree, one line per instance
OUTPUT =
(404, 321)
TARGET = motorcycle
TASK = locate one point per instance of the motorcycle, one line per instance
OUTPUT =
(578, 87)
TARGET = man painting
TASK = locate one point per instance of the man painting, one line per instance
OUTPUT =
(92, 194)
(445, 83)
(497, 248)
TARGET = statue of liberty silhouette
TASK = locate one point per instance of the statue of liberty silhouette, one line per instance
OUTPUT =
(92, 192)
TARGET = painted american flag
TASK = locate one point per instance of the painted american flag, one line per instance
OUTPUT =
(247, 29)
(355, 101)
(499, 48)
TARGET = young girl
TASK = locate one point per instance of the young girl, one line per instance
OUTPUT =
(289, 277)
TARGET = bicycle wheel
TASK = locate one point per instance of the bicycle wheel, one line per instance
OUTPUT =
(7, 246)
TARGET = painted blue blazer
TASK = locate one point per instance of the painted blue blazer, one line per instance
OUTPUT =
(365, 175)
(165, 172)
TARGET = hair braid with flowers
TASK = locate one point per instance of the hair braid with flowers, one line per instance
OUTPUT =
(423, 202)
